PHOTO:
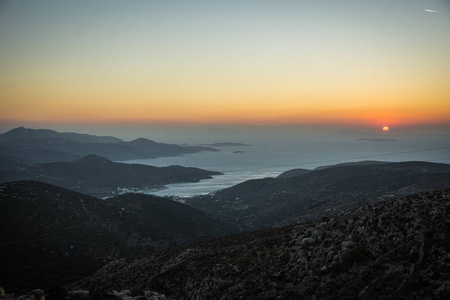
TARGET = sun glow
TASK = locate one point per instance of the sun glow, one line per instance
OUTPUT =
(385, 128)
(157, 63)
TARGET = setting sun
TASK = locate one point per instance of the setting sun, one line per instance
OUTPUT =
(385, 128)
(182, 64)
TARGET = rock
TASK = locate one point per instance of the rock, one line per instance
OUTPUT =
(407, 260)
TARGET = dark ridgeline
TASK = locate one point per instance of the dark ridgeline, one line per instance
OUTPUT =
(98, 176)
(301, 195)
(394, 249)
(50, 236)
(43, 145)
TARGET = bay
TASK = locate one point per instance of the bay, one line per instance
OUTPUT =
(241, 163)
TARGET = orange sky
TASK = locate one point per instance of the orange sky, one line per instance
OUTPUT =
(274, 63)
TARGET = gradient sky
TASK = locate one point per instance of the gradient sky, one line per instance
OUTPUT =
(353, 63)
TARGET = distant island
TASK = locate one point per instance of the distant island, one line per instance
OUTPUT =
(375, 140)
(44, 146)
(224, 144)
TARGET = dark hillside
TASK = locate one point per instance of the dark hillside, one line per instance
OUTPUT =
(51, 236)
(268, 202)
(165, 223)
(21, 133)
(43, 146)
(36, 155)
(8, 163)
(293, 173)
(98, 176)
(149, 148)
(395, 249)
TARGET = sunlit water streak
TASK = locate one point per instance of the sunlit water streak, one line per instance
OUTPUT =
(260, 161)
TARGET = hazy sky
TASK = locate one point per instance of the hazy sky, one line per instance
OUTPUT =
(120, 63)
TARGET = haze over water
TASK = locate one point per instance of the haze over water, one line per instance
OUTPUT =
(270, 160)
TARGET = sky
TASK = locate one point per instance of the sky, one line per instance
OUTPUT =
(225, 64)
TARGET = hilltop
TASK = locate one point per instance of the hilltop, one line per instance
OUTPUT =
(299, 195)
(44, 145)
(52, 236)
(98, 176)
(22, 133)
(397, 248)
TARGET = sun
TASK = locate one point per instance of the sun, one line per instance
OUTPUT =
(385, 128)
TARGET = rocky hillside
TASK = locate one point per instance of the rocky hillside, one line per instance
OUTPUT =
(51, 236)
(100, 177)
(264, 203)
(395, 249)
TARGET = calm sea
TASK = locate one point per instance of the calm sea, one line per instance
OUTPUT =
(241, 163)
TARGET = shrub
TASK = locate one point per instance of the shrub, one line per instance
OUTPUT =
(356, 254)
(335, 267)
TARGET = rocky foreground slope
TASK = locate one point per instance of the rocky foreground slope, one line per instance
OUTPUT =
(398, 248)
(50, 236)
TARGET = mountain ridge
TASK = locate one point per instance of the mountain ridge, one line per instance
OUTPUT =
(45, 145)
(268, 202)
(394, 249)
(52, 235)
(22, 132)
(98, 176)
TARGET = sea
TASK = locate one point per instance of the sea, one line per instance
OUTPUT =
(241, 163)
